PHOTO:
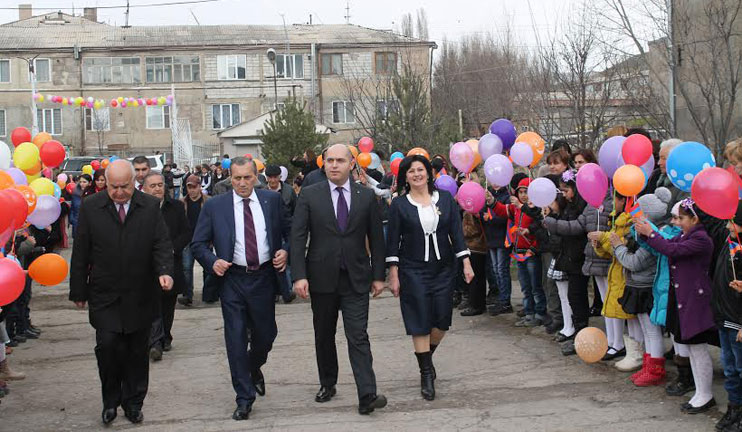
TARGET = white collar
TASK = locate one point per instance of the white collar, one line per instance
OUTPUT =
(238, 199)
(433, 199)
(345, 186)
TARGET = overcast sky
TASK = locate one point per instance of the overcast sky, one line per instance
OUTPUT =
(446, 18)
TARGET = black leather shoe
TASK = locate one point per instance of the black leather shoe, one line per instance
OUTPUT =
(370, 403)
(616, 354)
(561, 337)
(108, 415)
(242, 413)
(554, 327)
(167, 346)
(325, 394)
(259, 382)
(288, 299)
(134, 416)
(596, 310)
(470, 311)
(155, 354)
(690, 409)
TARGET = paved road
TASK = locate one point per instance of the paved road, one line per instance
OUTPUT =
(491, 376)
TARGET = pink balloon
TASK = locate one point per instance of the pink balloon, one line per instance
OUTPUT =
(592, 184)
(715, 191)
(542, 192)
(636, 149)
(462, 157)
(498, 169)
(471, 197)
(490, 144)
(522, 154)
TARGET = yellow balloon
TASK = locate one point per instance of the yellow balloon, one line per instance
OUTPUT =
(135, 103)
(41, 97)
(120, 99)
(260, 165)
(42, 186)
(87, 169)
(26, 156)
(31, 177)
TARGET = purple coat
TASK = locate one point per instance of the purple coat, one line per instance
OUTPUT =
(689, 256)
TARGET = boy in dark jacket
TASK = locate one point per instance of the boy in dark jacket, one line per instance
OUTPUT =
(495, 229)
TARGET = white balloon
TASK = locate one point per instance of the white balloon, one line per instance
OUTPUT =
(4, 156)
(284, 173)
(375, 161)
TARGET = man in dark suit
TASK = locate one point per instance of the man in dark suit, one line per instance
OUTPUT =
(249, 231)
(121, 258)
(173, 212)
(337, 217)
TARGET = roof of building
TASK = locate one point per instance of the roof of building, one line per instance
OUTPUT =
(58, 30)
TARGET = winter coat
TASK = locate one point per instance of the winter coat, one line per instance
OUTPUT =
(661, 284)
(726, 302)
(495, 226)
(571, 256)
(639, 266)
(689, 256)
(590, 220)
(616, 279)
(520, 220)
(548, 242)
(474, 234)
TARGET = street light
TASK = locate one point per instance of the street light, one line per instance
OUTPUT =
(271, 54)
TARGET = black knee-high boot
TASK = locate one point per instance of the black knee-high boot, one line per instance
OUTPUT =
(432, 350)
(427, 386)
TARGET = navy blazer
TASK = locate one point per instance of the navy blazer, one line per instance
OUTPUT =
(215, 227)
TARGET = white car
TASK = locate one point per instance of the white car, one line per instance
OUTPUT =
(156, 162)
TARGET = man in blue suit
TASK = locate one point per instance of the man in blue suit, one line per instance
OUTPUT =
(249, 230)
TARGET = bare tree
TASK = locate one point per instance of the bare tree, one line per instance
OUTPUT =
(407, 28)
(100, 124)
(422, 24)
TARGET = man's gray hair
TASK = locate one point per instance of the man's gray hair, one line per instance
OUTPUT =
(153, 174)
(670, 143)
(242, 161)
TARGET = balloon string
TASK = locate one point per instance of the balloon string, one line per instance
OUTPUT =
(731, 257)
(613, 220)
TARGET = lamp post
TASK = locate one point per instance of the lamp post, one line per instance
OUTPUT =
(271, 54)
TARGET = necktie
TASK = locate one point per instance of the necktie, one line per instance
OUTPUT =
(140, 186)
(122, 213)
(251, 240)
(342, 210)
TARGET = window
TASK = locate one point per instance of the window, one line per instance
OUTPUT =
(385, 62)
(43, 70)
(158, 117)
(173, 69)
(231, 67)
(97, 120)
(117, 70)
(3, 127)
(290, 66)
(384, 107)
(5, 71)
(225, 115)
(332, 64)
(342, 112)
(50, 120)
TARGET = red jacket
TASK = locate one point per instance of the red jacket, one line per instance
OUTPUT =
(519, 220)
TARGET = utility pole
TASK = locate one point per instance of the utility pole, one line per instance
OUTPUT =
(347, 12)
(671, 75)
(34, 115)
(126, 15)
(288, 52)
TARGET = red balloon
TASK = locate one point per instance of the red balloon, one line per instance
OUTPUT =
(715, 192)
(70, 187)
(20, 135)
(366, 145)
(6, 217)
(17, 207)
(95, 164)
(394, 166)
(636, 149)
(52, 153)
(12, 281)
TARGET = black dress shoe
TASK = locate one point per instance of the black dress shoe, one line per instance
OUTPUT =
(561, 337)
(288, 299)
(553, 327)
(616, 354)
(167, 346)
(108, 415)
(242, 413)
(596, 310)
(30, 335)
(690, 409)
(370, 403)
(134, 416)
(325, 394)
(259, 382)
(470, 311)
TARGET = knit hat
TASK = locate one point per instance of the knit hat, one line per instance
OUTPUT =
(517, 177)
(524, 183)
(272, 171)
(655, 205)
(738, 216)
(193, 179)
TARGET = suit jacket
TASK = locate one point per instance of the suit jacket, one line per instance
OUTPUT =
(115, 266)
(216, 227)
(314, 219)
(173, 211)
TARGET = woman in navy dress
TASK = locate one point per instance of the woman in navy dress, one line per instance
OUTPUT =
(424, 241)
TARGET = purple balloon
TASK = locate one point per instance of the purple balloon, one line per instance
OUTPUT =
(522, 154)
(609, 153)
(471, 197)
(592, 184)
(18, 176)
(499, 170)
(542, 192)
(504, 129)
(47, 211)
(447, 183)
(462, 157)
(490, 144)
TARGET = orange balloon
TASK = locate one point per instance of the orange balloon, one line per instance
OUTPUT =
(104, 163)
(29, 195)
(419, 151)
(353, 151)
(536, 143)
(591, 344)
(48, 269)
(364, 160)
(6, 180)
(628, 180)
(320, 161)
(34, 170)
(260, 165)
(474, 146)
(41, 138)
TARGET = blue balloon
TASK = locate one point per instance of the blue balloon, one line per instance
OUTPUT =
(226, 163)
(113, 158)
(396, 155)
(57, 191)
(686, 161)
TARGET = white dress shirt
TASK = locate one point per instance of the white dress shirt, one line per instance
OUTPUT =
(261, 233)
(126, 207)
(336, 195)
